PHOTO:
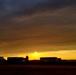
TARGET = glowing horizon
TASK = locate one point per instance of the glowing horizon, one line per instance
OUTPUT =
(64, 55)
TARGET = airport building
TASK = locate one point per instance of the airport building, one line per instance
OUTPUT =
(17, 59)
(50, 59)
(2, 59)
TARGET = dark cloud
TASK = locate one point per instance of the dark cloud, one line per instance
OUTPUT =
(29, 7)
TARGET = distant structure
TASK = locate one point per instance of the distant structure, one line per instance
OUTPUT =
(27, 58)
(43, 61)
(17, 59)
(50, 59)
(2, 60)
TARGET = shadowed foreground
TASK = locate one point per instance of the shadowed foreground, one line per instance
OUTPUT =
(37, 70)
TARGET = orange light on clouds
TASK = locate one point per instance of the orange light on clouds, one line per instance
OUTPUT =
(68, 54)
(63, 54)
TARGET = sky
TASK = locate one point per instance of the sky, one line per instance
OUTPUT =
(44, 26)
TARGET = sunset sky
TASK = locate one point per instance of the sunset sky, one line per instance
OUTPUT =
(38, 28)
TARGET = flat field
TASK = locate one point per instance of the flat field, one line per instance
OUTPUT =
(37, 70)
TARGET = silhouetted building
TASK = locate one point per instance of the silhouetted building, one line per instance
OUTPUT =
(50, 59)
(2, 60)
(15, 59)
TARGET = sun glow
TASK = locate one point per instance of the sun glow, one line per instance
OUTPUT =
(36, 55)
(68, 54)
(36, 52)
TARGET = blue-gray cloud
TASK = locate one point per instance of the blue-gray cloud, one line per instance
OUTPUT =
(29, 7)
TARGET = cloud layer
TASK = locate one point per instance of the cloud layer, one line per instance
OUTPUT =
(29, 7)
(43, 25)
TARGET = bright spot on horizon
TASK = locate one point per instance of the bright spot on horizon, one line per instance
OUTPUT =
(36, 52)
(36, 55)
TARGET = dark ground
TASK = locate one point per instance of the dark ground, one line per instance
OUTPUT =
(37, 70)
